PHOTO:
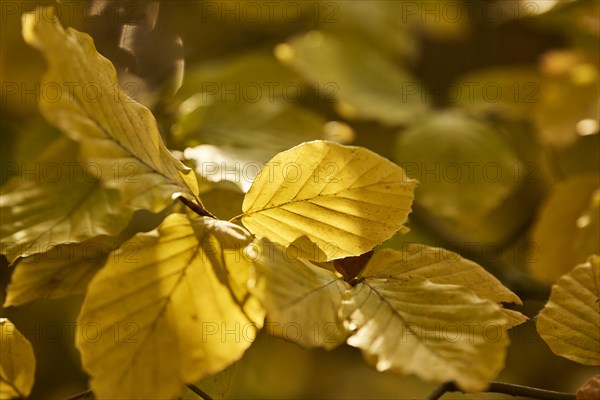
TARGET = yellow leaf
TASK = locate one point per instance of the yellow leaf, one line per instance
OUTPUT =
(63, 271)
(571, 211)
(57, 202)
(119, 135)
(171, 312)
(570, 321)
(17, 363)
(327, 201)
(438, 332)
(442, 266)
(302, 300)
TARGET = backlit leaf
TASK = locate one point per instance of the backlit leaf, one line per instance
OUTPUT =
(17, 364)
(63, 271)
(58, 202)
(302, 300)
(442, 266)
(328, 201)
(172, 311)
(570, 321)
(119, 135)
(438, 332)
(572, 210)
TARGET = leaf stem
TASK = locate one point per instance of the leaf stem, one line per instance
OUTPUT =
(199, 392)
(197, 208)
(506, 388)
(80, 396)
(236, 218)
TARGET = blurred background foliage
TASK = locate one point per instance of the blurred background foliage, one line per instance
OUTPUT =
(492, 105)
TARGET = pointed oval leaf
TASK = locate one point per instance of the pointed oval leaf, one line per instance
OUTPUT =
(465, 166)
(442, 266)
(371, 86)
(65, 270)
(438, 332)
(57, 202)
(302, 300)
(328, 201)
(570, 321)
(572, 208)
(168, 308)
(17, 364)
(115, 132)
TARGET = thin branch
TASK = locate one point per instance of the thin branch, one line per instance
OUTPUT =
(197, 208)
(236, 218)
(199, 392)
(80, 396)
(508, 389)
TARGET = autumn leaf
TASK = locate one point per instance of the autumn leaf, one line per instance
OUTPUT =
(327, 201)
(117, 134)
(61, 203)
(442, 266)
(171, 312)
(17, 364)
(438, 332)
(302, 300)
(573, 209)
(65, 270)
(570, 321)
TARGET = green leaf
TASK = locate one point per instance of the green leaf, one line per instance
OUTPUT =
(17, 364)
(466, 174)
(171, 312)
(570, 321)
(443, 267)
(63, 271)
(438, 332)
(368, 87)
(573, 209)
(327, 201)
(117, 134)
(58, 202)
(302, 300)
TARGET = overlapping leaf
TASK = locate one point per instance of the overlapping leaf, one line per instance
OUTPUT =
(570, 321)
(17, 363)
(302, 300)
(180, 306)
(441, 266)
(65, 270)
(119, 135)
(328, 201)
(439, 332)
(58, 201)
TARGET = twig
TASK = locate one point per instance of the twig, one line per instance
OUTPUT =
(80, 396)
(508, 389)
(236, 218)
(199, 392)
(197, 208)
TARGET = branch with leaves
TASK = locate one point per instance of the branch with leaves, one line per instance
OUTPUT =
(508, 389)
(303, 253)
